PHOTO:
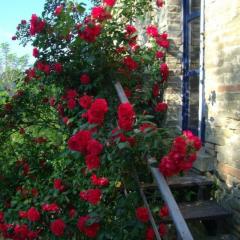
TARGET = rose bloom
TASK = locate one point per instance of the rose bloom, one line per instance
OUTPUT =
(92, 196)
(90, 230)
(58, 184)
(126, 116)
(58, 10)
(152, 31)
(164, 71)
(99, 13)
(33, 215)
(161, 107)
(79, 141)
(57, 67)
(159, 3)
(130, 63)
(57, 227)
(109, 3)
(50, 207)
(142, 214)
(92, 161)
(99, 181)
(97, 111)
(85, 79)
(150, 235)
(90, 32)
(35, 52)
(85, 101)
(94, 147)
(71, 104)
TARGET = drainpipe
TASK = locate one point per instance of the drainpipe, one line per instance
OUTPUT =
(201, 123)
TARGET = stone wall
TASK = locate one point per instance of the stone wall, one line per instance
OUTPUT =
(222, 92)
(173, 94)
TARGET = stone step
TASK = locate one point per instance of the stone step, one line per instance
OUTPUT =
(183, 182)
(201, 210)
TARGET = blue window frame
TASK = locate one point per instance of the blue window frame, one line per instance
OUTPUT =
(192, 97)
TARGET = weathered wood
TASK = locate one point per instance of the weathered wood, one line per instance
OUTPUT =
(203, 210)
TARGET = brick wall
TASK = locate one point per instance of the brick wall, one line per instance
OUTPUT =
(222, 82)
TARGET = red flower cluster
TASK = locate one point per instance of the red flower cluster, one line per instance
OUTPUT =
(162, 40)
(37, 25)
(152, 31)
(164, 211)
(182, 154)
(78, 142)
(57, 67)
(90, 230)
(150, 235)
(126, 116)
(99, 181)
(40, 66)
(57, 227)
(130, 34)
(92, 196)
(130, 63)
(99, 13)
(142, 214)
(50, 207)
(97, 111)
(90, 32)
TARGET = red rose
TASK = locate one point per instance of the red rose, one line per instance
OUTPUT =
(92, 196)
(90, 32)
(90, 230)
(1, 217)
(162, 229)
(159, 54)
(21, 231)
(58, 184)
(130, 63)
(155, 90)
(72, 212)
(164, 211)
(99, 13)
(109, 3)
(33, 215)
(126, 116)
(23, 22)
(161, 107)
(71, 104)
(36, 25)
(35, 52)
(152, 31)
(57, 67)
(162, 42)
(71, 94)
(50, 207)
(79, 141)
(85, 101)
(145, 126)
(150, 235)
(57, 227)
(99, 181)
(97, 111)
(142, 214)
(164, 71)
(52, 101)
(32, 235)
(94, 147)
(160, 3)
(85, 79)
(58, 10)
(92, 161)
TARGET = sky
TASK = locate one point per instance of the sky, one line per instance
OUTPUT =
(11, 14)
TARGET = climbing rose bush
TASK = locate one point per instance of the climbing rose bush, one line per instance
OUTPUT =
(70, 148)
